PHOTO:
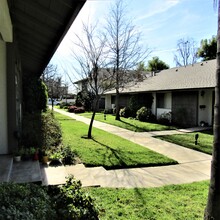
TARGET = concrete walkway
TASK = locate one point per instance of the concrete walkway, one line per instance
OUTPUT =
(193, 165)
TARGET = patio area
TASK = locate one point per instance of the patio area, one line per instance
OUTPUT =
(19, 172)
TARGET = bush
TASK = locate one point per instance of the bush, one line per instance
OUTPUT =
(25, 201)
(35, 95)
(72, 203)
(64, 105)
(125, 112)
(133, 105)
(40, 130)
(76, 109)
(145, 114)
(72, 108)
(165, 118)
(142, 114)
(85, 98)
(108, 111)
(51, 130)
(68, 156)
(79, 110)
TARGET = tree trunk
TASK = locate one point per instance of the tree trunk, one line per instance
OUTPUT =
(117, 116)
(212, 210)
(92, 119)
(52, 103)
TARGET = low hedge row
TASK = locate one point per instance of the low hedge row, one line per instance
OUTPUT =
(31, 201)
(76, 109)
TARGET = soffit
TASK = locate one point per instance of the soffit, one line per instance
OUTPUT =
(39, 26)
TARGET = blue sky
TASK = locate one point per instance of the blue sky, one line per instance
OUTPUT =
(161, 22)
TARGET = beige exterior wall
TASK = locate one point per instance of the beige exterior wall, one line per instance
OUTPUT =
(153, 108)
(205, 114)
(3, 100)
(5, 22)
(108, 104)
(168, 100)
(167, 105)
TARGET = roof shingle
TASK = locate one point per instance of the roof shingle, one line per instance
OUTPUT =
(199, 75)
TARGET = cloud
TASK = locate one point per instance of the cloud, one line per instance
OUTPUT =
(158, 7)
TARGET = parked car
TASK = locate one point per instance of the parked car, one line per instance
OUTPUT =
(54, 102)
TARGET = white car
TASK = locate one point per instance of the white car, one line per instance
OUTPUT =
(54, 102)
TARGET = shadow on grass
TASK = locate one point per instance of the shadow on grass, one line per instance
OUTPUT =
(210, 131)
(139, 194)
(122, 164)
(116, 153)
(135, 128)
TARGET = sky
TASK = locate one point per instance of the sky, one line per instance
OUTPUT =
(161, 22)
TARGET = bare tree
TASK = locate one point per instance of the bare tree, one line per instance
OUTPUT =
(50, 72)
(91, 56)
(186, 53)
(54, 83)
(212, 210)
(125, 51)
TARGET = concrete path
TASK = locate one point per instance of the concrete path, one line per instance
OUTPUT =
(193, 165)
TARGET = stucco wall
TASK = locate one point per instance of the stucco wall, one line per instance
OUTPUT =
(168, 100)
(3, 100)
(161, 111)
(5, 22)
(167, 105)
(153, 108)
(108, 104)
(205, 106)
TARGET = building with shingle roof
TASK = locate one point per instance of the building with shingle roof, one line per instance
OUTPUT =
(186, 92)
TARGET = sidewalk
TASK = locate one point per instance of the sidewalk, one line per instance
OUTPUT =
(193, 166)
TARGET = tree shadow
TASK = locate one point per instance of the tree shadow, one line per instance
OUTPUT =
(209, 131)
(138, 192)
(135, 128)
(67, 119)
(116, 153)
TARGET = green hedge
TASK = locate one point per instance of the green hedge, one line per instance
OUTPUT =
(25, 201)
(31, 201)
(40, 130)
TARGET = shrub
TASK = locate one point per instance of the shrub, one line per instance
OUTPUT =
(64, 105)
(79, 110)
(35, 95)
(165, 118)
(40, 130)
(25, 201)
(76, 109)
(108, 111)
(72, 203)
(68, 156)
(85, 98)
(133, 105)
(145, 114)
(125, 112)
(142, 114)
(52, 134)
(72, 108)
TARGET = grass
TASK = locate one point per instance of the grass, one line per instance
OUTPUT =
(174, 202)
(205, 140)
(127, 123)
(106, 149)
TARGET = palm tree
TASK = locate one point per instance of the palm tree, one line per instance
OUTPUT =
(212, 210)
(156, 64)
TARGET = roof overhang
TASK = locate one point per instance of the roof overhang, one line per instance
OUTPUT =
(39, 26)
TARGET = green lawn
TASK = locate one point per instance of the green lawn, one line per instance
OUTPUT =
(106, 149)
(127, 123)
(205, 140)
(182, 202)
